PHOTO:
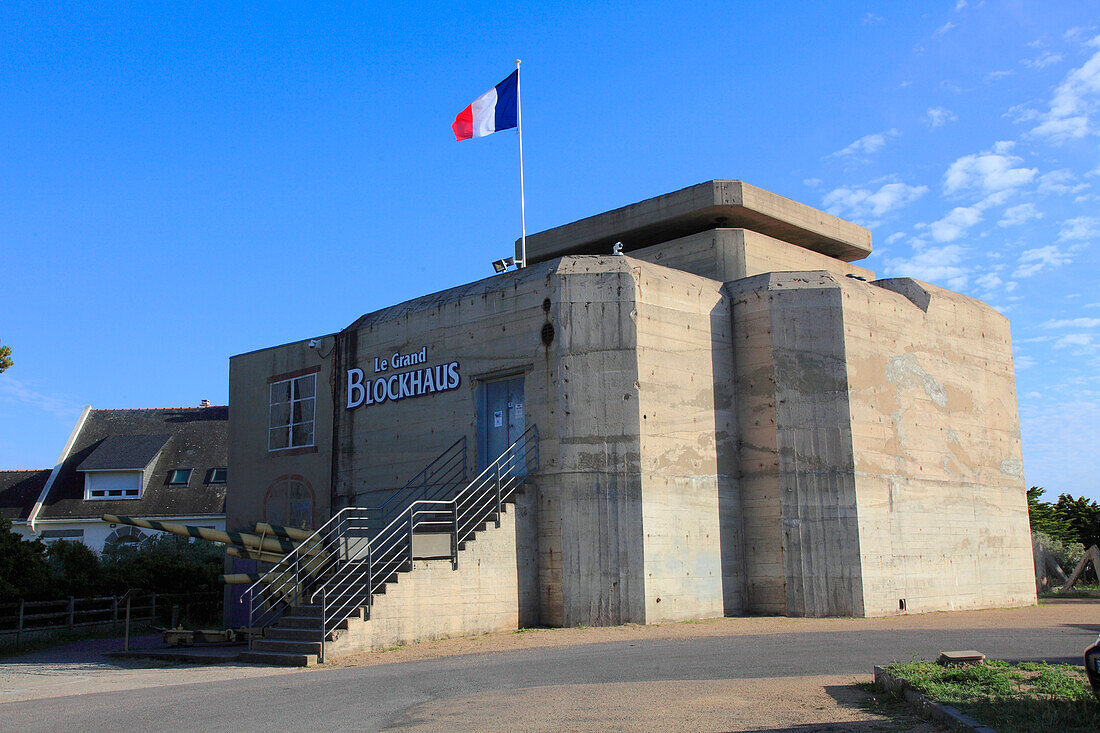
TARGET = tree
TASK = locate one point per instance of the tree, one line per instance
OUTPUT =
(1082, 516)
(5, 358)
(74, 569)
(23, 569)
(164, 564)
(1048, 519)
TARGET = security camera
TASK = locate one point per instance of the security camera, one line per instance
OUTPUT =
(617, 248)
(314, 343)
(502, 265)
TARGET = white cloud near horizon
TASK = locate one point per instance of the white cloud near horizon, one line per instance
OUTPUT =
(1043, 60)
(867, 206)
(866, 145)
(934, 264)
(987, 172)
(1079, 228)
(1034, 261)
(955, 224)
(938, 117)
(1073, 323)
(1072, 103)
(1021, 214)
(61, 406)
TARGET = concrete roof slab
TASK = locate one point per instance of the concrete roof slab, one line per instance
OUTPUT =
(698, 208)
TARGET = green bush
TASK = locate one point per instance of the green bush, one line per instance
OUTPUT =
(164, 564)
(32, 570)
(24, 572)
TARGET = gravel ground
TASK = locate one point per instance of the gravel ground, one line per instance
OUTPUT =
(824, 701)
(1049, 614)
(81, 667)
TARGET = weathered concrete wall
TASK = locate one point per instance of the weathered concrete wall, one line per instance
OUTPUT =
(491, 328)
(797, 477)
(592, 508)
(942, 505)
(489, 591)
(880, 455)
(690, 506)
(261, 476)
(732, 254)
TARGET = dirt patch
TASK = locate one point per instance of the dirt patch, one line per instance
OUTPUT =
(1050, 614)
(828, 702)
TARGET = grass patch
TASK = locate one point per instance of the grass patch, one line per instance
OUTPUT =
(1078, 591)
(896, 713)
(1022, 697)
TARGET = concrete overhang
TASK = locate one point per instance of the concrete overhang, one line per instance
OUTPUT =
(709, 205)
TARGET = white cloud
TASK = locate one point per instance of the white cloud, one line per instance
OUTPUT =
(1073, 323)
(938, 117)
(61, 406)
(1023, 362)
(1073, 339)
(811, 182)
(1017, 215)
(871, 19)
(992, 284)
(866, 145)
(1079, 228)
(1034, 261)
(987, 172)
(894, 237)
(998, 75)
(1059, 181)
(955, 224)
(1043, 60)
(1072, 103)
(865, 205)
(943, 29)
(933, 264)
(960, 4)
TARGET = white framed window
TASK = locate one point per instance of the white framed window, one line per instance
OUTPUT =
(112, 484)
(179, 476)
(293, 403)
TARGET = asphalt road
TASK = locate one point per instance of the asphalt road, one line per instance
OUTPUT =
(379, 697)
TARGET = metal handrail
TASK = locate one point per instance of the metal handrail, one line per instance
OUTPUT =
(384, 553)
(285, 583)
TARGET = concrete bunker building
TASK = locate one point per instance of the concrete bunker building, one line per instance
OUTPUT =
(732, 418)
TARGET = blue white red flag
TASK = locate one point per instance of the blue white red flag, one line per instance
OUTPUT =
(492, 111)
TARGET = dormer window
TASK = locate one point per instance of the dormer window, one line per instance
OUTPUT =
(112, 484)
(119, 466)
(218, 476)
(179, 477)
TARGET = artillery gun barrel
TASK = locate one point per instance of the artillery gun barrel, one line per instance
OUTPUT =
(250, 554)
(278, 530)
(277, 545)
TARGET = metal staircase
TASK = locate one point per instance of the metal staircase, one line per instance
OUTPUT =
(331, 578)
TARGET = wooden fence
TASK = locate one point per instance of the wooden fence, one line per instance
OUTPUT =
(32, 617)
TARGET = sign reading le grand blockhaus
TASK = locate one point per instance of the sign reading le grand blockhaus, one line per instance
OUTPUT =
(401, 385)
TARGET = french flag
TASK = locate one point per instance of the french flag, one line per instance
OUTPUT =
(492, 111)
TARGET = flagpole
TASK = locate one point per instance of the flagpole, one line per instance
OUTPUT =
(522, 202)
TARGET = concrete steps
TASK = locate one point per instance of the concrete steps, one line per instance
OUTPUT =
(294, 641)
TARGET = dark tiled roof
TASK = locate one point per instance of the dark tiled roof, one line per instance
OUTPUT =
(198, 439)
(19, 490)
(122, 452)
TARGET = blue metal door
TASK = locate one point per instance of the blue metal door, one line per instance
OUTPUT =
(501, 418)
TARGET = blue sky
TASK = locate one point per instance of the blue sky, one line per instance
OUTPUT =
(185, 183)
